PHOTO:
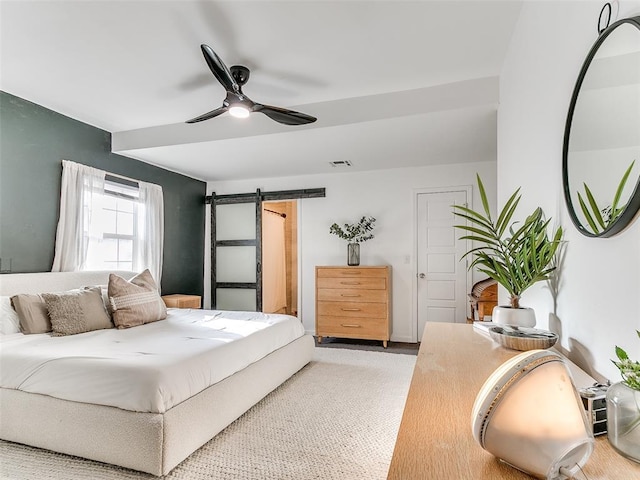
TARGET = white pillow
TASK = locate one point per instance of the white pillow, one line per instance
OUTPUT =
(9, 321)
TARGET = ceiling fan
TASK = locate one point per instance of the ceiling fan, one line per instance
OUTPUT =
(236, 102)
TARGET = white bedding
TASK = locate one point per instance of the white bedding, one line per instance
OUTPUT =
(149, 368)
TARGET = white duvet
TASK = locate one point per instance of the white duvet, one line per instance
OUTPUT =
(149, 368)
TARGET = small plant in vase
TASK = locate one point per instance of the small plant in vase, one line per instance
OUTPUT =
(354, 234)
(515, 254)
(623, 407)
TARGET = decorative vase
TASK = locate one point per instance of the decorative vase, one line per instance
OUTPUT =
(353, 254)
(520, 317)
(623, 420)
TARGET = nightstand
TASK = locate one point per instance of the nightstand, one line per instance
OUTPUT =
(181, 301)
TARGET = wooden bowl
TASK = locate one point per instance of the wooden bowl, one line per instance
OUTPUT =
(522, 338)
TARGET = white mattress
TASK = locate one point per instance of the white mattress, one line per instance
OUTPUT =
(149, 368)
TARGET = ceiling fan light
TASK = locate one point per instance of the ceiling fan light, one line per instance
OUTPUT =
(239, 111)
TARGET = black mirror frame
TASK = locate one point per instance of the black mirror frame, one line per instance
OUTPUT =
(633, 206)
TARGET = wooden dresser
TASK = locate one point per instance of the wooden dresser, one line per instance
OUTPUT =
(353, 302)
(435, 439)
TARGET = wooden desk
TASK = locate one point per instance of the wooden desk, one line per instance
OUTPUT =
(435, 439)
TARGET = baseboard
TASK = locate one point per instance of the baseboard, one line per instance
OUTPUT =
(402, 339)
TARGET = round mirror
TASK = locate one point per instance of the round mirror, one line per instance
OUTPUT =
(601, 154)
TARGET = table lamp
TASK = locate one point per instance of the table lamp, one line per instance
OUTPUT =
(529, 415)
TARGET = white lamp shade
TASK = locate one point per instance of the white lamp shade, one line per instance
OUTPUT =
(528, 414)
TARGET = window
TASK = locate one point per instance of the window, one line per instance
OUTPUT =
(114, 228)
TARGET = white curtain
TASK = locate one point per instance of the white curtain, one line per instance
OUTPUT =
(82, 192)
(149, 247)
(81, 224)
(274, 271)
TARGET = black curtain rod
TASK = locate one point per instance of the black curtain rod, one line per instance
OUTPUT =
(283, 215)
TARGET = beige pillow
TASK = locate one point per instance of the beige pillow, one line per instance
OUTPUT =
(32, 312)
(77, 311)
(135, 302)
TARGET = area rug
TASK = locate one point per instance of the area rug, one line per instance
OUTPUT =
(335, 419)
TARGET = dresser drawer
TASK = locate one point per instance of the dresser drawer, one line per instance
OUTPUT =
(351, 295)
(350, 283)
(352, 309)
(352, 272)
(375, 328)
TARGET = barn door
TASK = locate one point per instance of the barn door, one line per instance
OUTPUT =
(236, 246)
(236, 252)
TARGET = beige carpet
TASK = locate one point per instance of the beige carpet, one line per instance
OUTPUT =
(336, 419)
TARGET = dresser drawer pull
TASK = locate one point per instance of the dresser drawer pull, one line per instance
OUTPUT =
(350, 295)
(350, 309)
(349, 283)
(350, 325)
(351, 273)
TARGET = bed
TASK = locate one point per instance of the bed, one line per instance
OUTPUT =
(143, 398)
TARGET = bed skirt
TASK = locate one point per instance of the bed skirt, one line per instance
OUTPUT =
(150, 442)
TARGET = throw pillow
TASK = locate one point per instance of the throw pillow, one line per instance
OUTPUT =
(77, 311)
(135, 302)
(32, 312)
(9, 319)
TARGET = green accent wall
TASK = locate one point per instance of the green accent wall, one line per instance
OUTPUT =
(33, 142)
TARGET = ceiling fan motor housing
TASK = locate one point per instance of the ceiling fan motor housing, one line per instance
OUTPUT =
(240, 74)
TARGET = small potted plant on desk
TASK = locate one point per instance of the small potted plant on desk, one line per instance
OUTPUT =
(515, 254)
(623, 407)
(354, 234)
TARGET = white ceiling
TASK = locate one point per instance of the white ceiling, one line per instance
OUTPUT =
(393, 83)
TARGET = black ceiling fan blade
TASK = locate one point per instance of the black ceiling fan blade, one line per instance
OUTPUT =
(208, 115)
(219, 69)
(284, 116)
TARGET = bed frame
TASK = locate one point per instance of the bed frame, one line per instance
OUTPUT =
(150, 442)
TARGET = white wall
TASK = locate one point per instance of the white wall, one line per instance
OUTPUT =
(598, 305)
(388, 195)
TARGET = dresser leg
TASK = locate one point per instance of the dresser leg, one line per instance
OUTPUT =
(384, 343)
(319, 339)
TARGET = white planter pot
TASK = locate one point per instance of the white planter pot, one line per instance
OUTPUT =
(521, 317)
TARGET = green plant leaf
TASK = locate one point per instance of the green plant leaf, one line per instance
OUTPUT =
(621, 354)
(616, 198)
(507, 212)
(476, 220)
(483, 197)
(595, 210)
(587, 214)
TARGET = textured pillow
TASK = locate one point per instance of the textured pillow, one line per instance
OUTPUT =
(77, 311)
(135, 302)
(9, 320)
(32, 312)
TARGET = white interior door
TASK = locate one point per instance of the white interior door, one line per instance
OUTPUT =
(442, 279)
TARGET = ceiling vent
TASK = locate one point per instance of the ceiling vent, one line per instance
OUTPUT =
(340, 163)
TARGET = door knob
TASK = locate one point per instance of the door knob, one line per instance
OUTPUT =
(422, 275)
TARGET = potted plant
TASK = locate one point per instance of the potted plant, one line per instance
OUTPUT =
(515, 254)
(354, 234)
(623, 407)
